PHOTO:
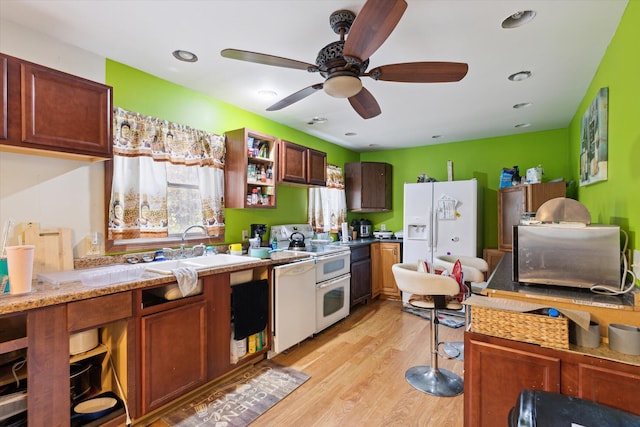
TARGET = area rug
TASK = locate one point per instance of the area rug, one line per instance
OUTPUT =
(240, 400)
(450, 320)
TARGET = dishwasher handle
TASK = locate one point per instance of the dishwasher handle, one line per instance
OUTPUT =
(295, 268)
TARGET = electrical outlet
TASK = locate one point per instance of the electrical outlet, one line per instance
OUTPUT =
(245, 234)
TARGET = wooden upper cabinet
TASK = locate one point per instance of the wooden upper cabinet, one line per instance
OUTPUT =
(302, 165)
(368, 186)
(250, 169)
(514, 201)
(52, 113)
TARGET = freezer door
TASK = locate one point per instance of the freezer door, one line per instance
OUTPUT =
(294, 304)
(417, 212)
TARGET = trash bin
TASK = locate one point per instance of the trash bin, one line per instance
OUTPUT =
(536, 408)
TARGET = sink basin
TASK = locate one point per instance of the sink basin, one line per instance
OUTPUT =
(199, 263)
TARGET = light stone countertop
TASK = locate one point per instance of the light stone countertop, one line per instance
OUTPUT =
(45, 294)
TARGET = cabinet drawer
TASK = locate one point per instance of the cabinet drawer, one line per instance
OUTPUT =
(98, 311)
(361, 252)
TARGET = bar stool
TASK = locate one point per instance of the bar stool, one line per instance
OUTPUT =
(473, 273)
(434, 292)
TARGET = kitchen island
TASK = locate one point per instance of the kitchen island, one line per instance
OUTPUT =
(497, 369)
(139, 334)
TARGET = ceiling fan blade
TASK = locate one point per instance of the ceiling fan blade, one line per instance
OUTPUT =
(295, 97)
(421, 72)
(372, 26)
(263, 58)
(365, 104)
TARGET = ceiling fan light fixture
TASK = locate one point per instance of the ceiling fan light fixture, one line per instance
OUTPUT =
(185, 56)
(342, 86)
(518, 19)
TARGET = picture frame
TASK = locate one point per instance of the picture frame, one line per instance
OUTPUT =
(594, 140)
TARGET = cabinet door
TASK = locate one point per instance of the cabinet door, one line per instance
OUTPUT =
(65, 113)
(389, 255)
(376, 271)
(495, 375)
(293, 162)
(317, 162)
(4, 71)
(609, 385)
(360, 281)
(511, 205)
(375, 188)
(174, 353)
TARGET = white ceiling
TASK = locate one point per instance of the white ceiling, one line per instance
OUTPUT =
(562, 47)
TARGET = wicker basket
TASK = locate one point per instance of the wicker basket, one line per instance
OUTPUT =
(526, 327)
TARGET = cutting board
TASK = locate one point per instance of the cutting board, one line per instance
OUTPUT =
(54, 248)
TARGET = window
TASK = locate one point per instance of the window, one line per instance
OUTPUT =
(163, 178)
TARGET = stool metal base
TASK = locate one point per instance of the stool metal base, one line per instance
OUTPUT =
(438, 382)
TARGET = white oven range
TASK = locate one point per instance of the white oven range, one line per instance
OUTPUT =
(333, 278)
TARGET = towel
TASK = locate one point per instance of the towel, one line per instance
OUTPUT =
(250, 304)
(187, 279)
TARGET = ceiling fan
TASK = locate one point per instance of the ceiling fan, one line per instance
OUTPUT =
(343, 62)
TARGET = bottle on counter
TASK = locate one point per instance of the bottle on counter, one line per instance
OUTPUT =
(274, 243)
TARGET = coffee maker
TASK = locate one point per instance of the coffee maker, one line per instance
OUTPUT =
(258, 230)
(365, 228)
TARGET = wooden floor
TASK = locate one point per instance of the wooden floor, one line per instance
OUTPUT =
(357, 372)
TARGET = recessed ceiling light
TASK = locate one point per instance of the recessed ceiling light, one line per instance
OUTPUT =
(350, 134)
(184, 55)
(522, 125)
(519, 76)
(317, 120)
(522, 105)
(267, 94)
(518, 19)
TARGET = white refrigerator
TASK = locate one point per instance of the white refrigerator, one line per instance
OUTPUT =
(441, 218)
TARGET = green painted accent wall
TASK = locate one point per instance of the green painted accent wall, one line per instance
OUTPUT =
(482, 159)
(137, 91)
(617, 200)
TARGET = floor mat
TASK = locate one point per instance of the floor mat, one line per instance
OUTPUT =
(452, 321)
(240, 400)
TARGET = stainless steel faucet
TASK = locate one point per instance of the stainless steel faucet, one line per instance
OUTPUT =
(184, 233)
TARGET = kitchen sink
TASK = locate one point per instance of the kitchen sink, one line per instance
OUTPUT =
(199, 263)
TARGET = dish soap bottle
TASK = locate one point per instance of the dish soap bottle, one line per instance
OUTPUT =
(274, 243)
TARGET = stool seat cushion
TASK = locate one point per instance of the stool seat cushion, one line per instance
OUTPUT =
(410, 280)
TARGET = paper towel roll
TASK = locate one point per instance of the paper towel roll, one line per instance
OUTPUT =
(345, 232)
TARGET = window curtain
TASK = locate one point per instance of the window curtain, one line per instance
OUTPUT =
(165, 176)
(328, 205)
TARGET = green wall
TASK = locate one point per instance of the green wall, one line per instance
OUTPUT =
(482, 159)
(617, 200)
(137, 91)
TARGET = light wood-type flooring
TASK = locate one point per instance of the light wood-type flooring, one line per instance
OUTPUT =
(357, 372)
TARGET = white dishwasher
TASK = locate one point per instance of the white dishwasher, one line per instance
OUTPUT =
(293, 304)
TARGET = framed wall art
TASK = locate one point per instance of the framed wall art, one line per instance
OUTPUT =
(594, 141)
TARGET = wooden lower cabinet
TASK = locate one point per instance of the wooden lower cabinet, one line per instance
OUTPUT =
(496, 370)
(360, 274)
(174, 353)
(383, 257)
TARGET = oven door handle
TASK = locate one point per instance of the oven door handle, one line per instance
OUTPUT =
(332, 282)
(332, 256)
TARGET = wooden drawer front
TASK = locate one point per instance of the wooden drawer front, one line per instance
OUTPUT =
(98, 311)
(362, 252)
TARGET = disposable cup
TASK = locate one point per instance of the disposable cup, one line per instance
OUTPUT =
(20, 263)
